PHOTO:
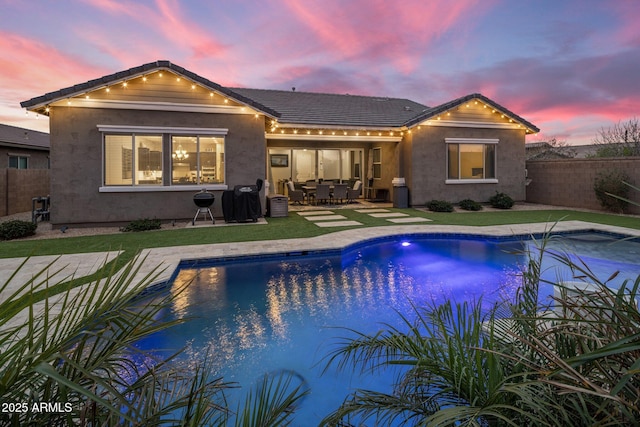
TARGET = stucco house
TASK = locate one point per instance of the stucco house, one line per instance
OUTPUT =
(140, 142)
(22, 148)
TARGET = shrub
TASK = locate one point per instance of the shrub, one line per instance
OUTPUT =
(16, 229)
(142, 225)
(501, 201)
(470, 205)
(440, 206)
(611, 189)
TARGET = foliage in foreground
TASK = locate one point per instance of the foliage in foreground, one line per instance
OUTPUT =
(76, 354)
(16, 229)
(576, 363)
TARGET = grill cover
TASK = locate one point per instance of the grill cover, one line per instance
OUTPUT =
(241, 204)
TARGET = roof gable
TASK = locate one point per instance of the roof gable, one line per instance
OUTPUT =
(122, 79)
(474, 109)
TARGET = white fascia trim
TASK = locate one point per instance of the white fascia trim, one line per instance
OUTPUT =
(161, 188)
(471, 181)
(305, 137)
(485, 125)
(155, 106)
(160, 129)
(340, 127)
(471, 141)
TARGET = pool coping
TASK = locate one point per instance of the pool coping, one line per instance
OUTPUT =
(171, 258)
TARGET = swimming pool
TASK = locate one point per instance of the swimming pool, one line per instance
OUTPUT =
(265, 314)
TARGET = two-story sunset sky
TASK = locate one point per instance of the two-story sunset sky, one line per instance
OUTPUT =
(571, 67)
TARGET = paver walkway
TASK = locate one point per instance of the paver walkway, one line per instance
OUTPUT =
(326, 218)
(55, 268)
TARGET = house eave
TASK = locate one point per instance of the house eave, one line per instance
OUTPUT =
(153, 106)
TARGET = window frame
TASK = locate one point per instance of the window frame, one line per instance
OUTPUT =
(470, 141)
(376, 171)
(166, 133)
(199, 151)
(19, 158)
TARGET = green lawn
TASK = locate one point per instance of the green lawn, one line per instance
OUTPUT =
(294, 226)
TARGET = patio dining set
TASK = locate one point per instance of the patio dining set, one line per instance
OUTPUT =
(324, 192)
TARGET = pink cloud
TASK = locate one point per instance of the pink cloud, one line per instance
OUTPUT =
(380, 32)
(628, 30)
(168, 21)
(31, 68)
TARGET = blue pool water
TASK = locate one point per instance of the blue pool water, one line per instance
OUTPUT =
(258, 316)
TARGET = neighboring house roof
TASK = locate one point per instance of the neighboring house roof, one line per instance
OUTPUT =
(435, 111)
(310, 108)
(12, 136)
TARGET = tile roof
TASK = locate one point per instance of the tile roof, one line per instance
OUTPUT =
(310, 108)
(292, 107)
(23, 138)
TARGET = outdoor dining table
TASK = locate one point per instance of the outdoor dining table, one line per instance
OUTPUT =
(310, 189)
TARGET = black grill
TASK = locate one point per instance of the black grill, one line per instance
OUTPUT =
(203, 201)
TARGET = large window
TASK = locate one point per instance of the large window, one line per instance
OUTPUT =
(131, 159)
(471, 160)
(197, 160)
(161, 157)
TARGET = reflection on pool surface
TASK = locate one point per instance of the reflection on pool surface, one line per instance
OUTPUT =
(259, 316)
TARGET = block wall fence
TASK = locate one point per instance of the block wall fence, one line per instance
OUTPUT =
(19, 186)
(569, 182)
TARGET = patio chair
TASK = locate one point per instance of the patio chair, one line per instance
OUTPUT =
(354, 193)
(323, 192)
(340, 192)
(295, 196)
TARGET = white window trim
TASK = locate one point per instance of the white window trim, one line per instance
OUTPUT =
(471, 141)
(156, 129)
(471, 181)
(160, 189)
